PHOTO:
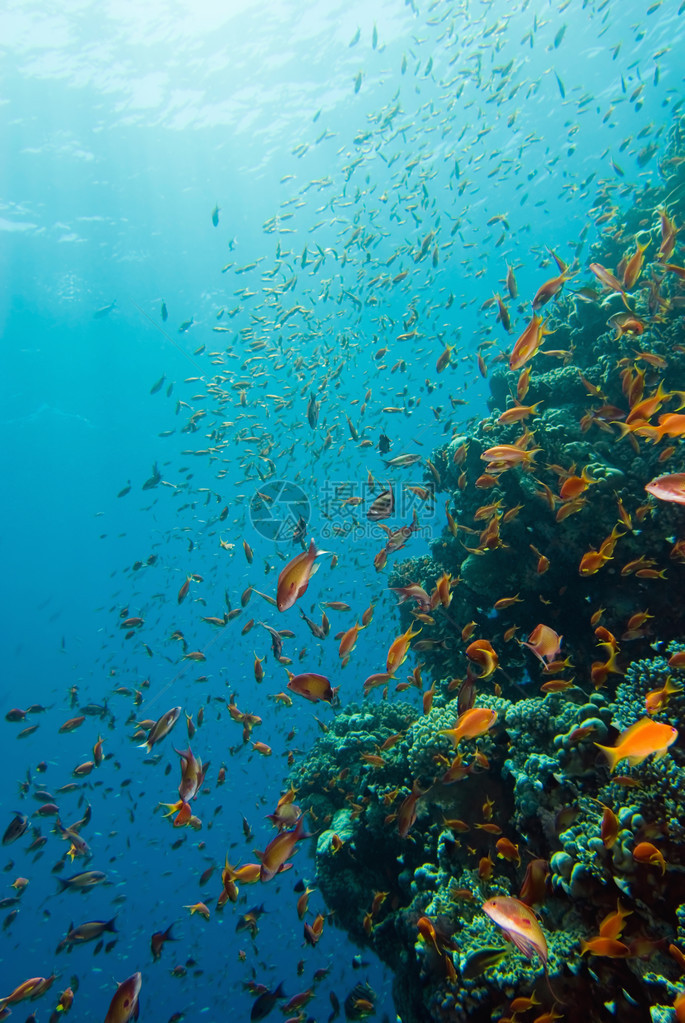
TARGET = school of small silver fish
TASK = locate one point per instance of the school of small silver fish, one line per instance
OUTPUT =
(299, 455)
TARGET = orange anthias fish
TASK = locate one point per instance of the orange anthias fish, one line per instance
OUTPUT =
(294, 579)
(657, 699)
(124, 1005)
(645, 852)
(550, 288)
(406, 815)
(668, 488)
(413, 592)
(399, 648)
(640, 741)
(312, 686)
(200, 908)
(287, 812)
(380, 678)
(520, 925)
(506, 456)
(613, 923)
(471, 724)
(528, 343)
(518, 412)
(544, 642)
(279, 849)
(348, 642)
(612, 948)
(483, 654)
(32, 988)
(605, 277)
(534, 886)
(192, 774)
(633, 267)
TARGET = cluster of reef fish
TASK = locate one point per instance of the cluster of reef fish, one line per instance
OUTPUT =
(564, 544)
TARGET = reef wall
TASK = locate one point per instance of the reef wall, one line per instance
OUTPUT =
(552, 603)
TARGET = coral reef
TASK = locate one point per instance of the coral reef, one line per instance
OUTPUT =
(548, 526)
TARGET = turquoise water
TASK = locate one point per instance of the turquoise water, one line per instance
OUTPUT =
(448, 141)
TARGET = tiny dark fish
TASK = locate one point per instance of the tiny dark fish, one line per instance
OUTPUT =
(154, 479)
(29, 730)
(313, 412)
(94, 710)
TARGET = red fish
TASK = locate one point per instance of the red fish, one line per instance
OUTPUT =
(124, 1005)
(520, 925)
(192, 774)
(279, 849)
(668, 488)
(312, 686)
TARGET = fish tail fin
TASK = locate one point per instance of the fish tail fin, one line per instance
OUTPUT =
(555, 996)
(299, 829)
(612, 754)
(623, 428)
(109, 926)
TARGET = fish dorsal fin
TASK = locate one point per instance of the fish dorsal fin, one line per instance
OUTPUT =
(629, 732)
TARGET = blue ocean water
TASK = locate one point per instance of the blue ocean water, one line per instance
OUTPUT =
(343, 145)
